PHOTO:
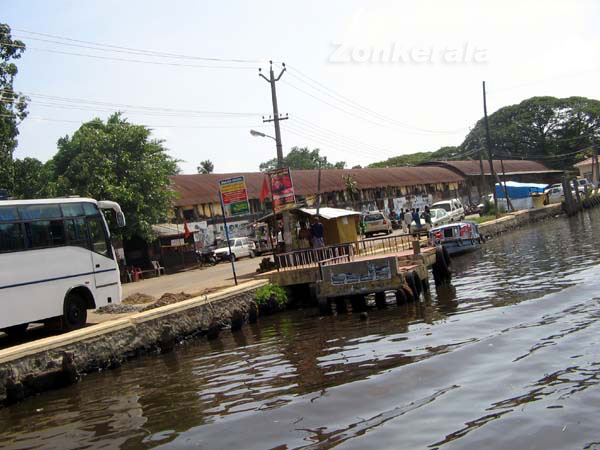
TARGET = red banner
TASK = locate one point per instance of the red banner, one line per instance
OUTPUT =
(282, 189)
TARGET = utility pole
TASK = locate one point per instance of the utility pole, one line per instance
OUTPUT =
(319, 189)
(596, 174)
(482, 182)
(489, 151)
(287, 235)
(508, 202)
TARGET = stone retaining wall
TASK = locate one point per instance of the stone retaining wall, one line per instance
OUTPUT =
(518, 219)
(60, 360)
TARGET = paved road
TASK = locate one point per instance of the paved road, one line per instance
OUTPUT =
(194, 281)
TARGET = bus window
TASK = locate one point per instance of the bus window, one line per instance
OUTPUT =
(8, 213)
(76, 232)
(11, 237)
(33, 212)
(99, 244)
(72, 209)
(45, 233)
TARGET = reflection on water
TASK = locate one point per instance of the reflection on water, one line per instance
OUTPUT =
(506, 357)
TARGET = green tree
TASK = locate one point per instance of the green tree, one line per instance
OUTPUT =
(411, 159)
(547, 128)
(117, 161)
(206, 167)
(301, 158)
(32, 178)
(13, 106)
(351, 188)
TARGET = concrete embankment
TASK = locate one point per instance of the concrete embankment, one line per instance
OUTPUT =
(519, 219)
(61, 360)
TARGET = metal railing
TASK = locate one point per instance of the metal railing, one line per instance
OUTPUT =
(347, 252)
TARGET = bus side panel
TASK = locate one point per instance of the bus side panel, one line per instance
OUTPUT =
(107, 280)
(33, 283)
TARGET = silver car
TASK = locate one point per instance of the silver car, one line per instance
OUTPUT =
(377, 222)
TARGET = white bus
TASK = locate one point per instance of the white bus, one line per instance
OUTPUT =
(56, 261)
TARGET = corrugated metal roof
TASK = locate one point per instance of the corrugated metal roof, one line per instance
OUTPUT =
(585, 162)
(511, 167)
(203, 188)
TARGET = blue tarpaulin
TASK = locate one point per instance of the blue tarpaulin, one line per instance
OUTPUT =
(519, 190)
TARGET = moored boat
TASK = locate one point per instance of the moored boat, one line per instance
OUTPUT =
(460, 237)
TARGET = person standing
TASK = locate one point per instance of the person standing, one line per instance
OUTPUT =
(304, 236)
(427, 217)
(401, 220)
(417, 218)
(318, 233)
(407, 220)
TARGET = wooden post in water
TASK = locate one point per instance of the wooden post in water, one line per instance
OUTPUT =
(569, 203)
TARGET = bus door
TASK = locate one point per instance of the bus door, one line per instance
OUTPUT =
(103, 263)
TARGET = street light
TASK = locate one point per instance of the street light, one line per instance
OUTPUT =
(259, 134)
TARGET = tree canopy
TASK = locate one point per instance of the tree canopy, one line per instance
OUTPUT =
(553, 130)
(413, 159)
(32, 178)
(117, 161)
(206, 167)
(300, 158)
(13, 106)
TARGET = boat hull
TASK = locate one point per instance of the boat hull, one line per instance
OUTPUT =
(460, 246)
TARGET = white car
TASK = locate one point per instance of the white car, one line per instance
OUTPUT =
(439, 217)
(583, 185)
(240, 247)
(453, 207)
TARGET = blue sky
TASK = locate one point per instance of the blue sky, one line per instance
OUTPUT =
(344, 94)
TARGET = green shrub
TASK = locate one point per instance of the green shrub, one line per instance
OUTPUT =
(272, 297)
(489, 209)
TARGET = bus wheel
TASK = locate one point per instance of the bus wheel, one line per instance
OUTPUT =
(16, 330)
(75, 313)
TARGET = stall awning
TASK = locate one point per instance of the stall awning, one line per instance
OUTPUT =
(330, 213)
(519, 190)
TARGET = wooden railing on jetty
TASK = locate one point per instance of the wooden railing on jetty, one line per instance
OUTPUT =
(333, 254)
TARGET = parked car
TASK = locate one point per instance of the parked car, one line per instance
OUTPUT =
(453, 207)
(439, 217)
(583, 184)
(377, 222)
(555, 193)
(240, 247)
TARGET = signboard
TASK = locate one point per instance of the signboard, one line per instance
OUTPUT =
(412, 201)
(282, 189)
(234, 196)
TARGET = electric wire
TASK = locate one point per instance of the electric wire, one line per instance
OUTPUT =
(50, 119)
(141, 51)
(351, 103)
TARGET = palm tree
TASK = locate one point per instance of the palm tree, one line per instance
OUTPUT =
(206, 167)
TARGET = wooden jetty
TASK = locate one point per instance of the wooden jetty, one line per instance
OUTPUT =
(348, 272)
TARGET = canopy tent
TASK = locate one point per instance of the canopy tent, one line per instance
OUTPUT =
(519, 190)
(329, 213)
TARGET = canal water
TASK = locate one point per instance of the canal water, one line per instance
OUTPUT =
(508, 357)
